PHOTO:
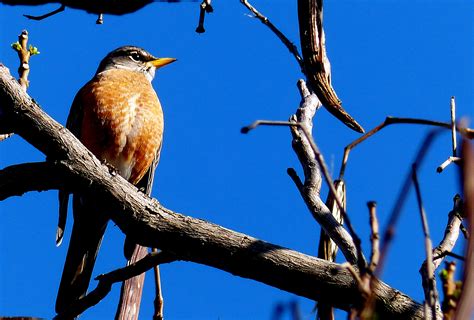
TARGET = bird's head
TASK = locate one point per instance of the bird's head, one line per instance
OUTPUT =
(134, 59)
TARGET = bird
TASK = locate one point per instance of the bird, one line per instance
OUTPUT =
(117, 115)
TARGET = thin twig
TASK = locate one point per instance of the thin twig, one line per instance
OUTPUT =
(368, 306)
(374, 236)
(158, 315)
(288, 44)
(466, 132)
(47, 15)
(453, 126)
(325, 171)
(107, 280)
(450, 160)
(402, 196)
(449, 254)
(204, 7)
(429, 281)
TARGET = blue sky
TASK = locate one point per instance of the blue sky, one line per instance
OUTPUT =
(399, 58)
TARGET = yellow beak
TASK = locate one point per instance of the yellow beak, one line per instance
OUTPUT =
(161, 62)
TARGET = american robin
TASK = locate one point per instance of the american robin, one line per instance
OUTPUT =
(118, 117)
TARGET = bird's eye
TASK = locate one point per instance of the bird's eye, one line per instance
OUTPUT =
(135, 56)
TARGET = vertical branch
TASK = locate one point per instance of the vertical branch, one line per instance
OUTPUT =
(158, 315)
(204, 7)
(374, 236)
(453, 125)
(327, 248)
(429, 282)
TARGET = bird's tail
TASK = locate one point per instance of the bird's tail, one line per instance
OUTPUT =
(86, 237)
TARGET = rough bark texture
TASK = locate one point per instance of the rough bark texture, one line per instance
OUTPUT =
(316, 63)
(152, 225)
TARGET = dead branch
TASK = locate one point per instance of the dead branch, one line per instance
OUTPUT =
(466, 132)
(428, 277)
(316, 62)
(453, 158)
(204, 8)
(152, 225)
(402, 196)
(313, 164)
(107, 280)
(288, 44)
(46, 15)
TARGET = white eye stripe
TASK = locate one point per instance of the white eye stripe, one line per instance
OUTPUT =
(135, 56)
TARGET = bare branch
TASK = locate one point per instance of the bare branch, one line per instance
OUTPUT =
(288, 44)
(466, 132)
(46, 15)
(453, 126)
(107, 280)
(158, 314)
(450, 160)
(374, 236)
(204, 8)
(312, 161)
(402, 196)
(451, 233)
(428, 279)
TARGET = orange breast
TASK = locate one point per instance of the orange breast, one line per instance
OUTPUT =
(123, 121)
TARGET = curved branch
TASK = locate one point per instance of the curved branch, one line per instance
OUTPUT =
(190, 239)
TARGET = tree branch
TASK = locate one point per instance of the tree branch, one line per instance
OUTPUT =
(316, 63)
(107, 280)
(152, 225)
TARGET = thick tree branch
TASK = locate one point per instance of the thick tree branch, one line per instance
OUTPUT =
(152, 225)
